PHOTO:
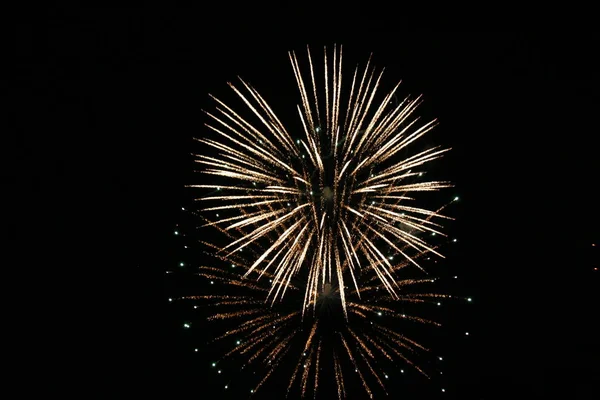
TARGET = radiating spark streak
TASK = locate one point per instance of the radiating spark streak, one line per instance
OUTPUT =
(340, 281)
(302, 88)
(306, 371)
(280, 132)
(369, 188)
(260, 152)
(349, 259)
(280, 189)
(313, 152)
(248, 128)
(351, 356)
(274, 246)
(257, 113)
(327, 108)
(287, 271)
(253, 177)
(237, 217)
(293, 378)
(258, 203)
(218, 187)
(265, 229)
(339, 378)
(359, 101)
(239, 197)
(255, 219)
(398, 217)
(318, 359)
(373, 373)
(249, 145)
(415, 161)
(365, 112)
(312, 77)
(385, 279)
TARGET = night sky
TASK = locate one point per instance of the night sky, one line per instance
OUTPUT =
(108, 105)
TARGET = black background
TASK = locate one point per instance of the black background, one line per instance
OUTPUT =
(108, 104)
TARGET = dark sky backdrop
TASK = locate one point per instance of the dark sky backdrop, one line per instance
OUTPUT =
(118, 98)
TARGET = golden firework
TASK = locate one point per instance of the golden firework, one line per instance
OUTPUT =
(330, 197)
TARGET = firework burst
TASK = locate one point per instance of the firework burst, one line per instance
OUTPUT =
(329, 198)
